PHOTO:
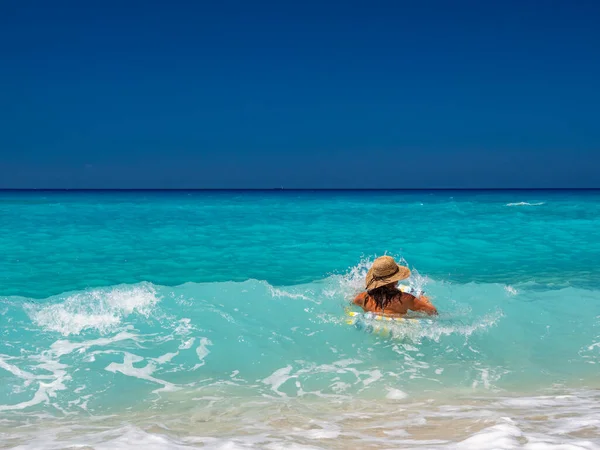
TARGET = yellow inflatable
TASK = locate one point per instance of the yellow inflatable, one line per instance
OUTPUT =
(376, 323)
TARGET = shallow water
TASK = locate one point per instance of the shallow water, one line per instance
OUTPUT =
(217, 320)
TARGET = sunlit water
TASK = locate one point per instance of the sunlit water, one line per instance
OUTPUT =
(217, 320)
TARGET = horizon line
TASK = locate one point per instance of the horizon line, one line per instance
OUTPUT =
(295, 189)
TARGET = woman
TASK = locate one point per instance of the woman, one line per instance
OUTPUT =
(382, 295)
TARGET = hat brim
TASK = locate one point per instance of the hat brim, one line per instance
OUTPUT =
(402, 274)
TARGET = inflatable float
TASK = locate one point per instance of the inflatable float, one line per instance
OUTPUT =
(378, 324)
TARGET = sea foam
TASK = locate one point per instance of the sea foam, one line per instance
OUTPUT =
(98, 309)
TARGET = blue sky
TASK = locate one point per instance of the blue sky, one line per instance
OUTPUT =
(299, 94)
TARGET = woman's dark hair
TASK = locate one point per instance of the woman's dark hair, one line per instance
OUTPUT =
(384, 295)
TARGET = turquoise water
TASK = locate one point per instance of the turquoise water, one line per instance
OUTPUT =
(216, 319)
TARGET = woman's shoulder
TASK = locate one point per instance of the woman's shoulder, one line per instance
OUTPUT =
(405, 297)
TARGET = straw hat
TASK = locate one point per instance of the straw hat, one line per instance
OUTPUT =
(385, 271)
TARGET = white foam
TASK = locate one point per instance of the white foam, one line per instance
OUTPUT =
(538, 423)
(525, 204)
(54, 373)
(143, 373)
(397, 433)
(500, 437)
(277, 378)
(340, 386)
(186, 345)
(14, 369)
(166, 357)
(374, 375)
(354, 280)
(39, 397)
(275, 292)
(510, 290)
(396, 394)
(202, 351)
(63, 347)
(321, 433)
(131, 437)
(184, 327)
(435, 329)
(99, 309)
(485, 379)
(289, 446)
(48, 385)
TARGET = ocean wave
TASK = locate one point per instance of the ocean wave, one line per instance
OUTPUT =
(525, 204)
(98, 309)
(82, 350)
(559, 420)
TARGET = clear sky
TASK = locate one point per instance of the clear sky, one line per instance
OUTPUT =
(261, 94)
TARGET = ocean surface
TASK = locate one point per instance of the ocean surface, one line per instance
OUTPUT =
(217, 320)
